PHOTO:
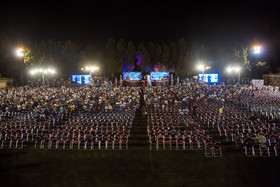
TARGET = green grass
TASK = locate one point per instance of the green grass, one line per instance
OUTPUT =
(134, 167)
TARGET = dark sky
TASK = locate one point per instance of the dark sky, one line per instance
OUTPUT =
(216, 24)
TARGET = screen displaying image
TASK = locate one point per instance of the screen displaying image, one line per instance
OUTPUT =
(211, 78)
(132, 76)
(79, 78)
(158, 76)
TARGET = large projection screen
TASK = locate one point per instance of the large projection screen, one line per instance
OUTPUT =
(158, 76)
(132, 76)
(78, 79)
(209, 78)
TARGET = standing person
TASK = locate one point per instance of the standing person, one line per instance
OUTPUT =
(145, 83)
(83, 80)
(261, 139)
(221, 110)
(143, 111)
(194, 109)
(209, 79)
(149, 80)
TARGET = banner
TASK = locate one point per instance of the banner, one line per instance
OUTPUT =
(258, 82)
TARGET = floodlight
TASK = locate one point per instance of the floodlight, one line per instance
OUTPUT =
(200, 67)
(257, 49)
(19, 52)
(229, 69)
(237, 69)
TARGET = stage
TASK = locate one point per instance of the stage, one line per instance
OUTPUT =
(142, 83)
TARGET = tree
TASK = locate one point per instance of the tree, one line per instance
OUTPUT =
(114, 56)
(144, 57)
(35, 55)
(70, 58)
(158, 53)
(91, 55)
(166, 55)
(130, 54)
(242, 57)
(151, 50)
(181, 55)
(173, 54)
(261, 68)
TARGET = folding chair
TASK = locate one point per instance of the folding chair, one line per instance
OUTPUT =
(208, 150)
(217, 149)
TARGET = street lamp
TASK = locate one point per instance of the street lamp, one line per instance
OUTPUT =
(42, 71)
(256, 50)
(203, 68)
(236, 69)
(20, 54)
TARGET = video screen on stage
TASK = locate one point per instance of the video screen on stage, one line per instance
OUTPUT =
(159, 76)
(132, 76)
(81, 79)
(211, 78)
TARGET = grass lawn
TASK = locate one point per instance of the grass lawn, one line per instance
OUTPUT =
(137, 166)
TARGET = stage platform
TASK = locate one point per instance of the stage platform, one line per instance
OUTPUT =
(141, 83)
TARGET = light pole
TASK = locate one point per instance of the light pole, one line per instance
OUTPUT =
(20, 54)
(43, 72)
(203, 68)
(257, 49)
(236, 69)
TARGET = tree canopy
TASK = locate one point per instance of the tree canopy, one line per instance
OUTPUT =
(179, 57)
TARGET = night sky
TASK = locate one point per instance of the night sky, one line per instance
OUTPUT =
(215, 24)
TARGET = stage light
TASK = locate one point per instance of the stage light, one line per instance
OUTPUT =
(42, 72)
(237, 69)
(90, 68)
(32, 72)
(229, 69)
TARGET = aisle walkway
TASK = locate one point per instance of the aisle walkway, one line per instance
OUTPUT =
(138, 135)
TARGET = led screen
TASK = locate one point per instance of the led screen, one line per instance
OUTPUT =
(78, 79)
(132, 76)
(212, 78)
(158, 76)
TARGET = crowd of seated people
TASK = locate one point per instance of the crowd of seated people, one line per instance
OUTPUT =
(101, 117)
(172, 122)
(237, 112)
(89, 117)
(242, 113)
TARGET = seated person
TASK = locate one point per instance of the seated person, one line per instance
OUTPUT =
(261, 139)
(249, 141)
